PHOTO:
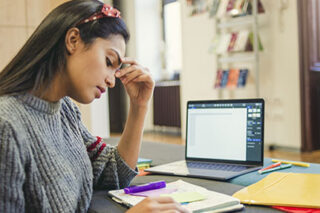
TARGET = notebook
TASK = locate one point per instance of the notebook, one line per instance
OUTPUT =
(224, 139)
(184, 192)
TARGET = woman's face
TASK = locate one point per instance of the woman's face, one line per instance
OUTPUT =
(90, 71)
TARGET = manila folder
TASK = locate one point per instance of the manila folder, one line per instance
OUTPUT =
(283, 189)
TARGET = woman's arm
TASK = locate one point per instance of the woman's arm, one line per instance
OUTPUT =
(12, 174)
(139, 86)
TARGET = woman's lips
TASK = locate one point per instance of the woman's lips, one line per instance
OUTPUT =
(102, 90)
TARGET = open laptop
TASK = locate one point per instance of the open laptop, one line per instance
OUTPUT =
(224, 139)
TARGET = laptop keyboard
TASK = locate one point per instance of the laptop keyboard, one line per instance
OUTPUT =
(216, 166)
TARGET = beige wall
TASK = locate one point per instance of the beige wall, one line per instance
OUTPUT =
(279, 77)
(18, 19)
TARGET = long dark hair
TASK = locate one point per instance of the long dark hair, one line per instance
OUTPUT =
(44, 53)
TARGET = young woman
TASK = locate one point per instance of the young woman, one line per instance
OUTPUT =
(49, 162)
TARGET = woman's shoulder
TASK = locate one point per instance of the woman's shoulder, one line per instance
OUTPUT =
(9, 106)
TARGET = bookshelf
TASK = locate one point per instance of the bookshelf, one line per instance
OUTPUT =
(226, 25)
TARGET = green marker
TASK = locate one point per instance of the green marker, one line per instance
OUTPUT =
(276, 168)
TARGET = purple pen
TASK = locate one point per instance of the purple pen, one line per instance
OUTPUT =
(145, 187)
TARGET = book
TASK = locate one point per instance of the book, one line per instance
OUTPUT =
(233, 40)
(242, 78)
(241, 42)
(249, 45)
(222, 9)
(200, 199)
(217, 83)
(224, 79)
(233, 78)
(283, 189)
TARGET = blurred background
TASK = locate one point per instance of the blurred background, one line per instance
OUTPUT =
(190, 46)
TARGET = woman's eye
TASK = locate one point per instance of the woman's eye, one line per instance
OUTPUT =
(108, 62)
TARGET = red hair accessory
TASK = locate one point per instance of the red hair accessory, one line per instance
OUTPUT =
(106, 11)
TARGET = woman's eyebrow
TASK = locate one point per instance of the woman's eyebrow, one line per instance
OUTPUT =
(119, 59)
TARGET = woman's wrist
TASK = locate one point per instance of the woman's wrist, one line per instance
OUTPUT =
(140, 108)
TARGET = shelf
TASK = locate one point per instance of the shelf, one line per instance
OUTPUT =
(237, 58)
(235, 22)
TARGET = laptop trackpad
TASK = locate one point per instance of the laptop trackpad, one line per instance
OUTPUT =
(209, 172)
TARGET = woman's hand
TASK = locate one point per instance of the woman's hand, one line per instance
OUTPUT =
(158, 204)
(137, 82)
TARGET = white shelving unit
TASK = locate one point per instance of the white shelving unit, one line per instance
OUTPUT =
(249, 22)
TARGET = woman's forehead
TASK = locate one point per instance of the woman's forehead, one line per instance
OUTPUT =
(114, 43)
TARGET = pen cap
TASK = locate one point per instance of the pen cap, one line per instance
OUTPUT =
(145, 187)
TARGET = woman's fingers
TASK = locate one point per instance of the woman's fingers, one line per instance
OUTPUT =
(168, 204)
(130, 73)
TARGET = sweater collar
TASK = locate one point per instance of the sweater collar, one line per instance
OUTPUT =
(40, 104)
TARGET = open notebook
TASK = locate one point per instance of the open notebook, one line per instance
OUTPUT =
(224, 139)
(212, 202)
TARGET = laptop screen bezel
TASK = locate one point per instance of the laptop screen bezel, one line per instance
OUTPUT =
(253, 163)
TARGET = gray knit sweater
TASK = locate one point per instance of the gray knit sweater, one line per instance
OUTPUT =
(49, 162)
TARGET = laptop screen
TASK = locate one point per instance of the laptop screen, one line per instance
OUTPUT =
(225, 130)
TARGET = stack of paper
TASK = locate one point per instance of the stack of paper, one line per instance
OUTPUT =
(195, 198)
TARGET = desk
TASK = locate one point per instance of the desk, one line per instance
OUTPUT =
(164, 153)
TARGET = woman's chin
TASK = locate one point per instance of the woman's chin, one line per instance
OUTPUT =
(84, 100)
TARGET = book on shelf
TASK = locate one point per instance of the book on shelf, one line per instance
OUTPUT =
(241, 42)
(242, 79)
(222, 9)
(233, 78)
(235, 8)
(233, 40)
(224, 79)
(194, 198)
(217, 83)
(250, 43)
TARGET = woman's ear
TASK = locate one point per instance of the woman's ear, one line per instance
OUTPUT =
(72, 40)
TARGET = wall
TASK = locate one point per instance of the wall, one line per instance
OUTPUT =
(279, 70)
(144, 23)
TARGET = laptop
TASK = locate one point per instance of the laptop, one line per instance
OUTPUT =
(224, 139)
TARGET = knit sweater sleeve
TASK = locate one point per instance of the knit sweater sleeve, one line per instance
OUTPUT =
(110, 171)
(12, 173)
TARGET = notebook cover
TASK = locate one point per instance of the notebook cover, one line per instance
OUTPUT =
(283, 189)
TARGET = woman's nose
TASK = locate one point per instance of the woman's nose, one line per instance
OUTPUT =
(110, 80)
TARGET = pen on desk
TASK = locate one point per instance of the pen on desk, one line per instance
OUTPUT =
(145, 187)
(269, 167)
(276, 168)
(292, 162)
